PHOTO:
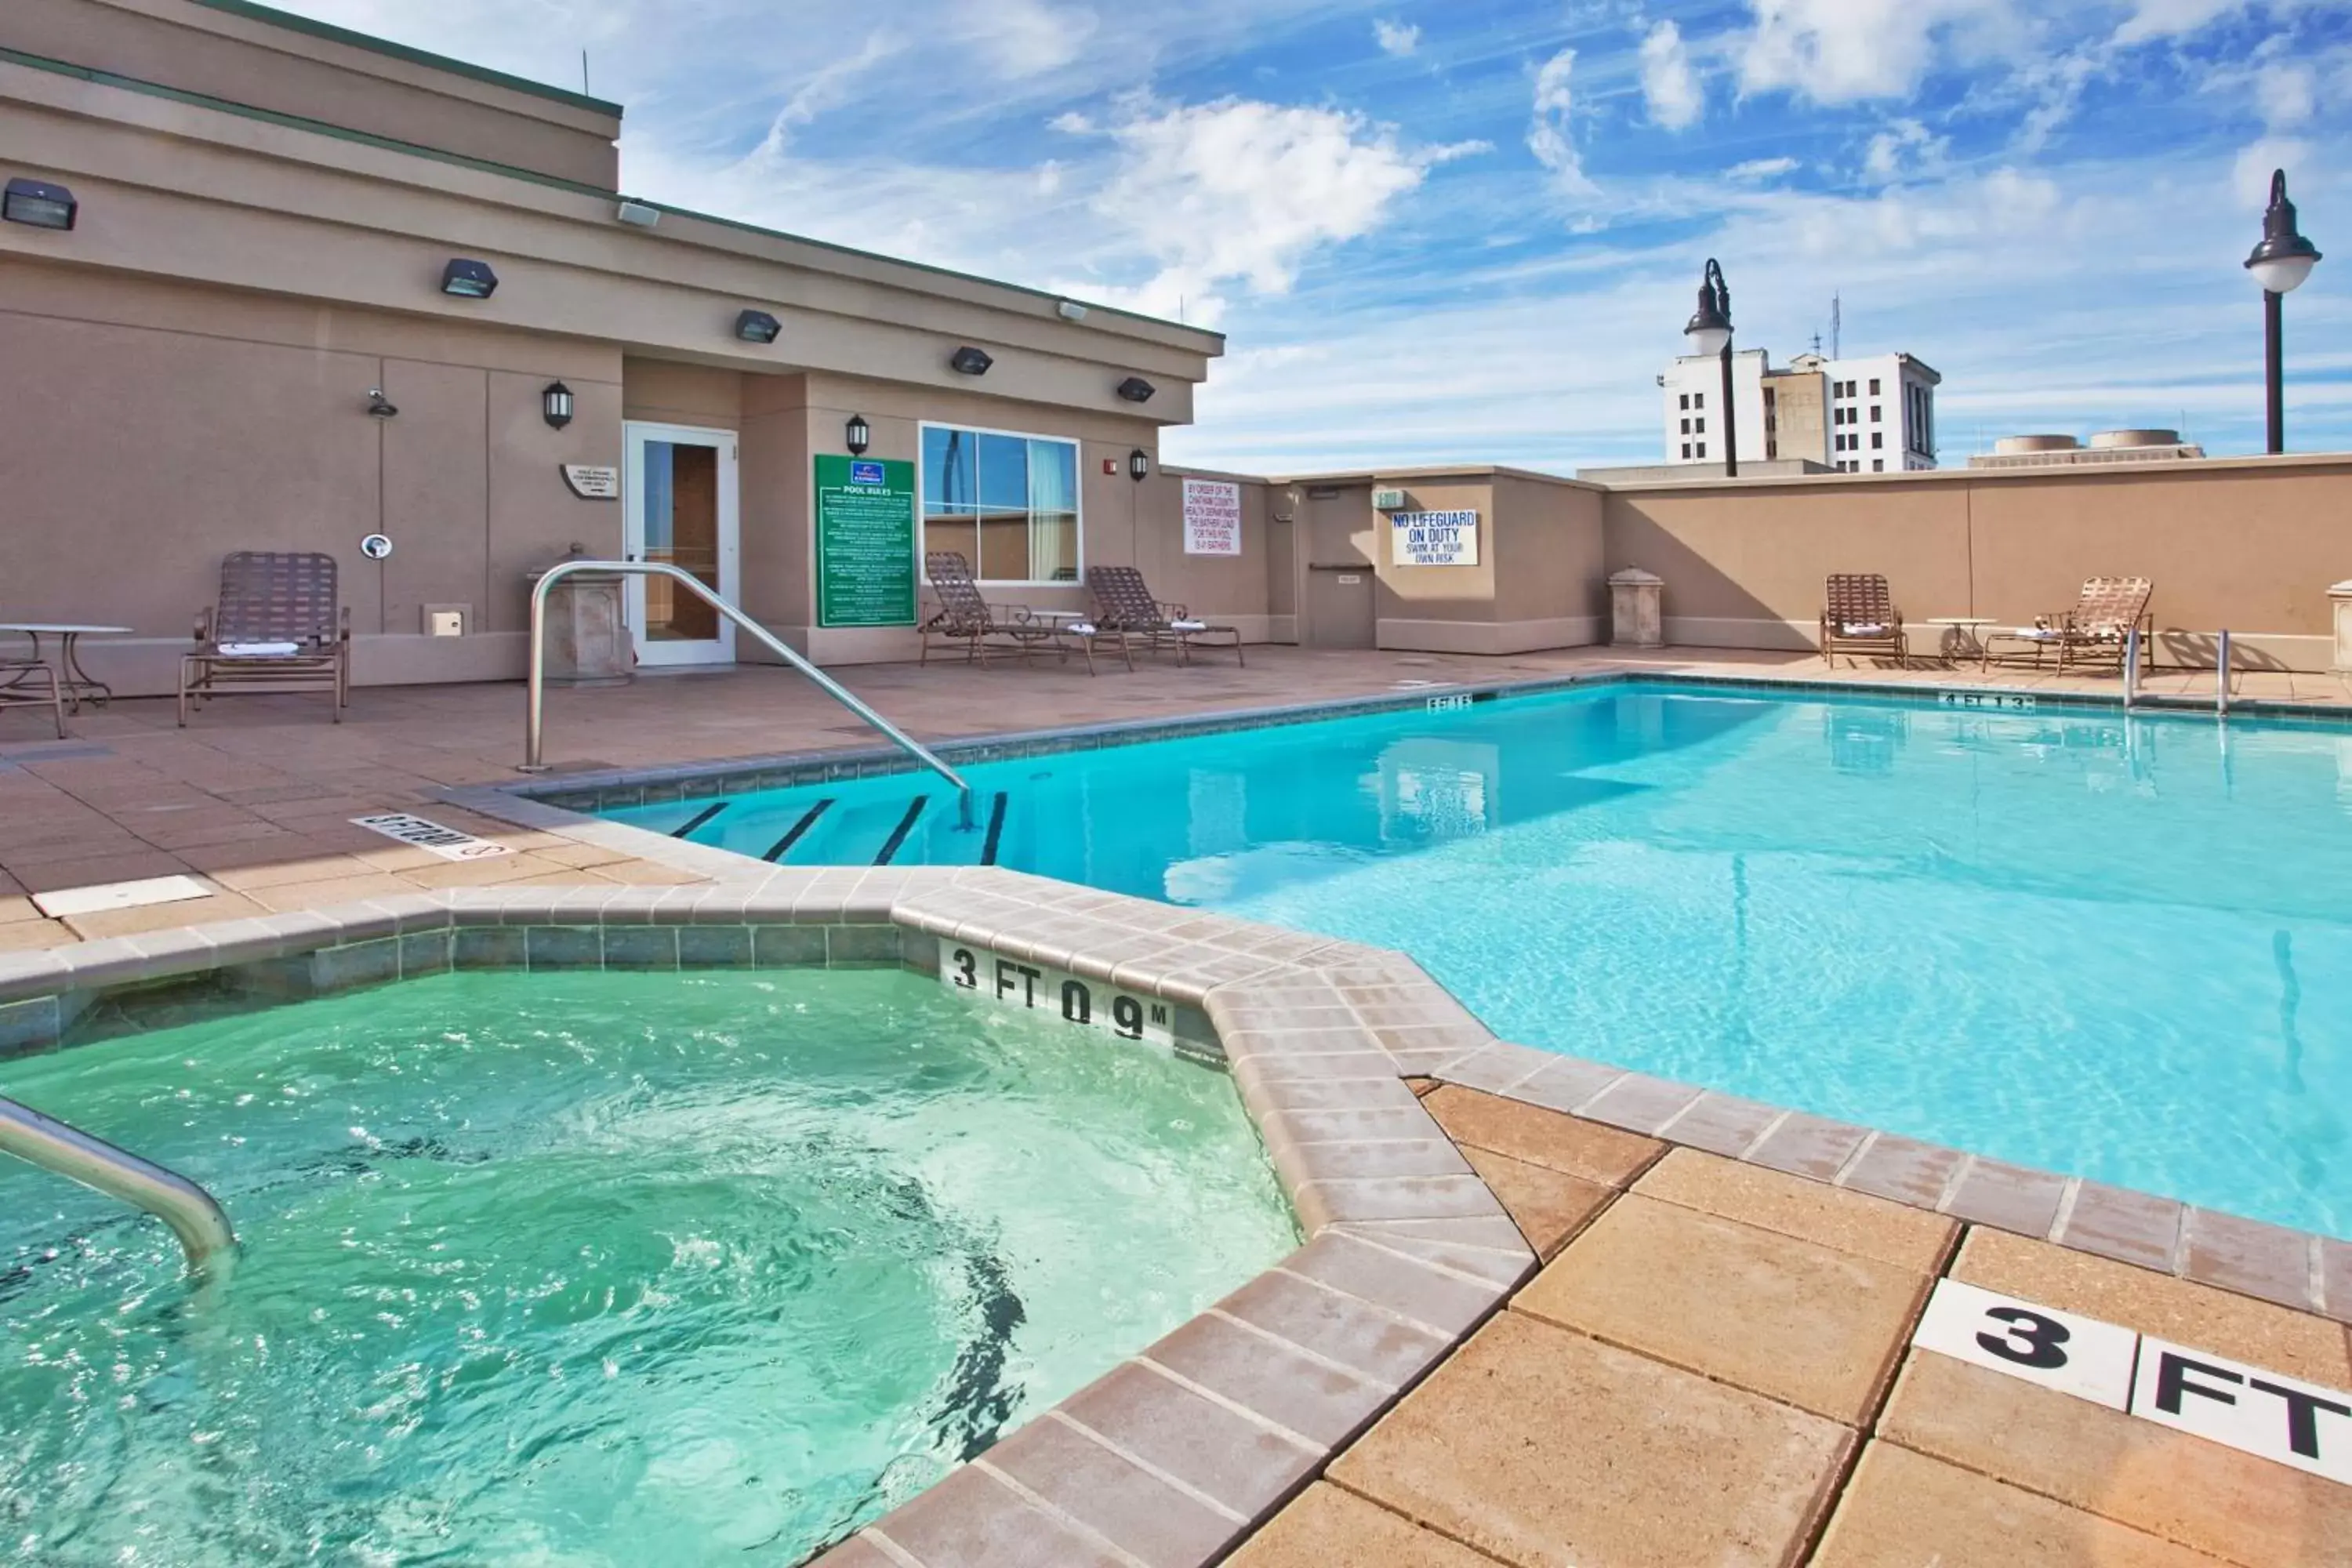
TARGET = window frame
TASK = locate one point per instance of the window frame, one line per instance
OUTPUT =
(1077, 503)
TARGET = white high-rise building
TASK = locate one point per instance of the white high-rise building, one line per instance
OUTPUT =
(1859, 415)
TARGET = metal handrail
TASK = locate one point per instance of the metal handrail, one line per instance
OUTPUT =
(200, 1224)
(534, 725)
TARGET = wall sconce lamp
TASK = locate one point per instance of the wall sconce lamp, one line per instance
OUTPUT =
(39, 204)
(1139, 464)
(469, 280)
(757, 327)
(379, 405)
(969, 361)
(555, 404)
(858, 435)
(1135, 389)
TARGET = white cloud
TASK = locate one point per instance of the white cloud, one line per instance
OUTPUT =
(2153, 19)
(2285, 96)
(1843, 51)
(1757, 170)
(1668, 83)
(1028, 37)
(1245, 191)
(1905, 147)
(1398, 38)
(1549, 133)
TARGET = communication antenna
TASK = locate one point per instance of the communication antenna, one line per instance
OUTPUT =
(1837, 326)
(583, 75)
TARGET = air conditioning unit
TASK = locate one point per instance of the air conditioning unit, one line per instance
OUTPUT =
(1388, 501)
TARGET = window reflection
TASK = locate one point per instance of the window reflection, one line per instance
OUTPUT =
(1008, 504)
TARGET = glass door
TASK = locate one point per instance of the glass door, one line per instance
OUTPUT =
(679, 500)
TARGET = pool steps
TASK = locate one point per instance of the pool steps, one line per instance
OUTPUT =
(198, 1221)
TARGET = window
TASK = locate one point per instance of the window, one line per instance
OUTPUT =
(1877, 439)
(1873, 386)
(1008, 504)
(1686, 400)
(1878, 465)
(1874, 413)
(1702, 448)
(1686, 426)
(1698, 400)
(1687, 444)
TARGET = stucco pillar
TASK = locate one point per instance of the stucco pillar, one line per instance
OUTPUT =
(1636, 608)
(2339, 599)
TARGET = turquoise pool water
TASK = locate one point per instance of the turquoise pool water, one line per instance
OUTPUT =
(2116, 947)
(591, 1270)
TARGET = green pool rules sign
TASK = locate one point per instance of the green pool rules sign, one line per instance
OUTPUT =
(865, 542)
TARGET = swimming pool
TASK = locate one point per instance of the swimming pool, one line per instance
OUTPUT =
(593, 1267)
(2116, 946)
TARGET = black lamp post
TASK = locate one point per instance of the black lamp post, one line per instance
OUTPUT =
(2279, 264)
(1709, 331)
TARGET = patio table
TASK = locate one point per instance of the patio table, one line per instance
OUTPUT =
(1961, 639)
(70, 674)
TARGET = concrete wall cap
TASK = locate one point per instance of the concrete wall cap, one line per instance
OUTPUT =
(2340, 590)
(1635, 576)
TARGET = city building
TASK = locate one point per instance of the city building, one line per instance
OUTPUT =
(1856, 414)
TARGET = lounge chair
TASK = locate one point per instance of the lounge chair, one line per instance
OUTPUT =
(21, 683)
(1858, 615)
(1124, 604)
(2094, 632)
(279, 626)
(965, 618)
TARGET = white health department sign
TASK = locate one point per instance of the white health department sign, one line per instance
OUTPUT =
(1213, 517)
(1433, 538)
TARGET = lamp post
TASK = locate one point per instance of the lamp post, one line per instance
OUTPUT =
(2279, 264)
(1709, 331)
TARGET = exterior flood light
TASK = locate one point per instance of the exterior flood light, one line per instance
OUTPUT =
(379, 405)
(757, 327)
(1070, 311)
(39, 204)
(858, 435)
(1135, 389)
(555, 404)
(969, 361)
(469, 280)
(1139, 464)
(636, 214)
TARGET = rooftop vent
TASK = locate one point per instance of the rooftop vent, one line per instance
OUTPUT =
(2018, 446)
(2107, 440)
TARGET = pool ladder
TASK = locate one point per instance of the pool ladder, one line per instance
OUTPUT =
(199, 1222)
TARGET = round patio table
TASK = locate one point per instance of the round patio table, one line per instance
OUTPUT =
(70, 674)
(1961, 639)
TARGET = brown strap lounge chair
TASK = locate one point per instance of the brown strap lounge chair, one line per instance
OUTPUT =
(2094, 632)
(279, 626)
(1123, 602)
(966, 618)
(32, 683)
(1858, 615)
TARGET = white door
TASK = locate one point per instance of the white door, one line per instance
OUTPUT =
(679, 494)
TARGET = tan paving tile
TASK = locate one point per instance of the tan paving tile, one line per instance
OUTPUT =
(1810, 1211)
(1541, 1137)
(633, 873)
(1817, 1328)
(20, 936)
(2200, 1316)
(329, 891)
(2243, 1509)
(1548, 1207)
(1327, 1527)
(16, 907)
(1547, 1449)
(223, 905)
(1902, 1510)
(294, 868)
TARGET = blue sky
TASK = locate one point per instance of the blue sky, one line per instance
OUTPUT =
(1471, 230)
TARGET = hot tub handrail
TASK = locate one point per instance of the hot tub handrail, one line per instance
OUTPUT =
(534, 724)
(200, 1223)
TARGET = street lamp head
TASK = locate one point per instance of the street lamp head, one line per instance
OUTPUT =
(1709, 329)
(2285, 258)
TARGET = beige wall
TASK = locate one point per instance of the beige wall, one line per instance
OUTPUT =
(152, 429)
(2250, 544)
(317, 76)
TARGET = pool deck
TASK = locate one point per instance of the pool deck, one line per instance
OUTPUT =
(1549, 1312)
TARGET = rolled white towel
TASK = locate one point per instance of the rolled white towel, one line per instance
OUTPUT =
(1080, 629)
(2036, 633)
(1864, 629)
(1188, 626)
(258, 649)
